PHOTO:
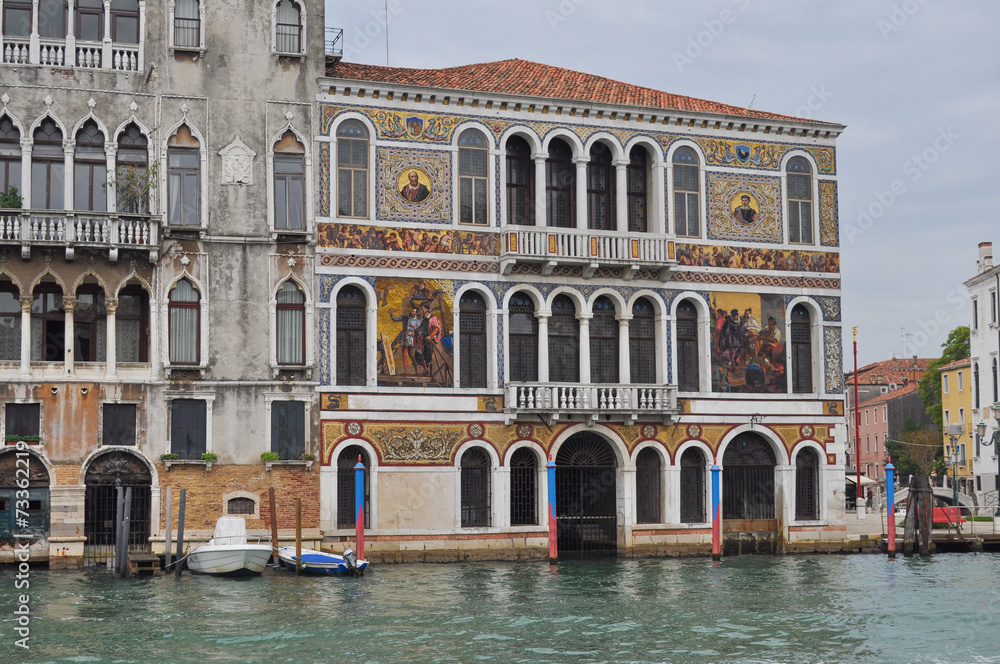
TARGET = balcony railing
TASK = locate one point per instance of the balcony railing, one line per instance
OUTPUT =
(109, 230)
(591, 249)
(335, 42)
(71, 53)
(554, 400)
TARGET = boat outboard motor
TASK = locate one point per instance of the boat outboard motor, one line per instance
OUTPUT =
(351, 559)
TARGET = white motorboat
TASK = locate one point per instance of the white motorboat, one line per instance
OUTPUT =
(228, 553)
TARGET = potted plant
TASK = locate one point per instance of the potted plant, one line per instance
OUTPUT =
(169, 456)
(28, 438)
(10, 199)
(269, 456)
(308, 456)
(210, 457)
(132, 186)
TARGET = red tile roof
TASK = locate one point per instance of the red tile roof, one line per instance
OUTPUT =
(532, 79)
(889, 396)
(888, 371)
(957, 363)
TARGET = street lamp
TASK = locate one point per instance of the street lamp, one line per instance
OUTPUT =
(954, 433)
(995, 438)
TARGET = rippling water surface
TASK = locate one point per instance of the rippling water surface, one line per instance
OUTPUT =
(750, 609)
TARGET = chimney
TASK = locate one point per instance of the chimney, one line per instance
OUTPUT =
(985, 256)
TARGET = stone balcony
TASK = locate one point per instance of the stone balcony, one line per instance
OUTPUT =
(71, 52)
(69, 230)
(588, 249)
(555, 401)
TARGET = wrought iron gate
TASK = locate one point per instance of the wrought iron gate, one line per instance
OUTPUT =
(748, 479)
(101, 506)
(586, 498)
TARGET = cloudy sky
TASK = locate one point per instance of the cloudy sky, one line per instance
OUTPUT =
(915, 81)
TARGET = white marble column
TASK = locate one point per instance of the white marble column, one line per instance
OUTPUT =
(26, 301)
(69, 148)
(27, 143)
(661, 348)
(621, 194)
(111, 158)
(69, 336)
(70, 57)
(111, 306)
(106, 46)
(541, 213)
(34, 43)
(580, 192)
(657, 201)
(543, 346)
(624, 356)
(584, 320)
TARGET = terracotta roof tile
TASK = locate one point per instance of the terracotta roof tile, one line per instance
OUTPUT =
(888, 371)
(957, 363)
(889, 396)
(532, 79)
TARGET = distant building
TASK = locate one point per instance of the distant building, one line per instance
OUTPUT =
(984, 350)
(957, 416)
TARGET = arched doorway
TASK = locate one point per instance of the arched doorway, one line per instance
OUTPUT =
(586, 497)
(36, 521)
(104, 474)
(346, 487)
(748, 484)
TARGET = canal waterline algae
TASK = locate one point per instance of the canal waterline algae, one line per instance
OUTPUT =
(748, 609)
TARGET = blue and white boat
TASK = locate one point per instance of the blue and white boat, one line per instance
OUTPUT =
(320, 562)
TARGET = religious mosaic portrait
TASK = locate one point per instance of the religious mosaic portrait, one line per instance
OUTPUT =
(415, 339)
(748, 351)
(744, 207)
(414, 185)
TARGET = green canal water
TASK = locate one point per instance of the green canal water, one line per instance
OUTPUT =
(749, 609)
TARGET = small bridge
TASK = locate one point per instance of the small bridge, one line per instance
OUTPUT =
(944, 494)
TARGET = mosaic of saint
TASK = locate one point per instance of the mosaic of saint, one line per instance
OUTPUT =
(414, 332)
(748, 352)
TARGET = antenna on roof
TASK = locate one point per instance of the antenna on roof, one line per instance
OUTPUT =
(386, 33)
(752, 100)
(906, 340)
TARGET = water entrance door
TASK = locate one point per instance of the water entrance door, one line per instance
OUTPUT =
(586, 497)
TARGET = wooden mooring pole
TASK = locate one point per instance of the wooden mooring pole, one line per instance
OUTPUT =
(180, 534)
(919, 517)
(126, 530)
(298, 536)
(170, 528)
(274, 523)
(119, 520)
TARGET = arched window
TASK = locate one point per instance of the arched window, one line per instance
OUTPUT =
(520, 183)
(975, 379)
(10, 322)
(47, 167)
(600, 189)
(185, 323)
(687, 192)
(560, 185)
(346, 486)
(184, 178)
(642, 342)
(688, 353)
(90, 167)
(564, 342)
(604, 342)
(475, 488)
(89, 20)
(125, 21)
(801, 338)
(90, 325)
(187, 24)
(472, 339)
(807, 485)
(523, 488)
(291, 324)
(473, 155)
(132, 171)
(523, 338)
(10, 155)
(352, 347)
(800, 224)
(132, 325)
(52, 18)
(17, 18)
(648, 496)
(241, 506)
(693, 486)
(289, 183)
(48, 324)
(352, 169)
(637, 178)
(288, 27)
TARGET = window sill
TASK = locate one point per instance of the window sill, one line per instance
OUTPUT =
(288, 462)
(172, 369)
(297, 56)
(193, 232)
(187, 50)
(188, 462)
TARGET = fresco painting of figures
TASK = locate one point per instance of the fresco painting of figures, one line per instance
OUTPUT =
(753, 258)
(356, 236)
(748, 347)
(414, 332)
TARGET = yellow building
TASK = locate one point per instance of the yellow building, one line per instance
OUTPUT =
(956, 404)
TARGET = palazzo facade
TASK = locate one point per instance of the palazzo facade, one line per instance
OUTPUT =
(517, 263)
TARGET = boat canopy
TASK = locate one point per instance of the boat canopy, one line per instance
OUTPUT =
(230, 530)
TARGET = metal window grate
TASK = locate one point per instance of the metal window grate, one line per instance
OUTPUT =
(240, 506)
(523, 338)
(472, 340)
(687, 347)
(642, 342)
(564, 342)
(807, 485)
(748, 479)
(800, 336)
(351, 342)
(693, 487)
(586, 497)
(523, 488)
(475, 488)
(648, 495)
